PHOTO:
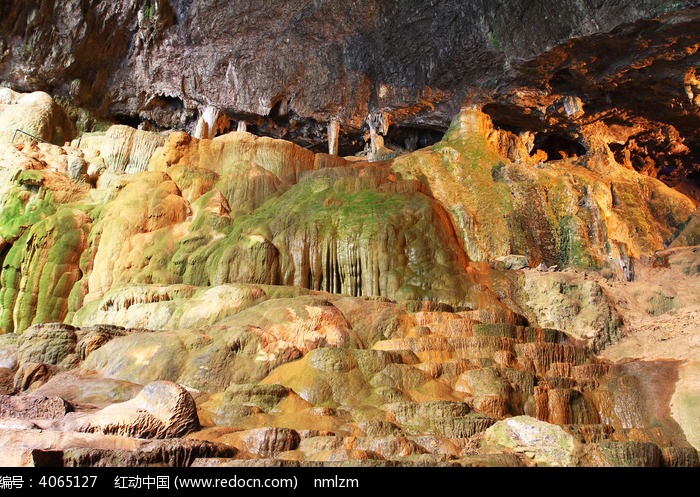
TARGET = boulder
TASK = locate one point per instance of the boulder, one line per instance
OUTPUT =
(512, 262)
(31, 374)
(36, 114)
(264, 442)
(162, 410)
(546, 444)
(50, 343)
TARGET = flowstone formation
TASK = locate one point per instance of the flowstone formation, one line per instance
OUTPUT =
(242, 300)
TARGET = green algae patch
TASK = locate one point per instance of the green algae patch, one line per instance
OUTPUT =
(23, 209)
(458, 172)
(339, 233)
(40, 270)
(584, 212)
(9, 282)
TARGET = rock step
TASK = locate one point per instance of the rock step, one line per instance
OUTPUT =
(170, 452)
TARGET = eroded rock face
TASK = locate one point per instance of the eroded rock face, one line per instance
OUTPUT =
(162, 410)
(24, 446)
(170, 453)
(47, 343)
(268, 442)
(569, 301)
(587, 222)
(652, 84)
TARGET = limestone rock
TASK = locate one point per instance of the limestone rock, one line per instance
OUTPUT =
(120, 149)
(338, 376)
(17, 424)
(513, 262)
(7, 381)
(162, 410)
(242, 348)
(92, 338)
(504, 460)
(569, 301)
(8, 351)
(354, 457)
(690, 234)
(551, 227)
(417, 416)
(683, 457)
(139, 217)
(241, 400)
(81, 388)
(18, 444)
(35, 113)
(263, 396)
(30, 374)
(31, 291)
(630, 453)
(34, 447)
(138, 306)
(265, 442)
(305, 323)
(47, 343)
(158, 307)
(232, 154)
(390, 448)
(545, 444)
(144, 50)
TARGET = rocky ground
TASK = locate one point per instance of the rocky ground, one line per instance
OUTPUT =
(320, 379)
(244, 301)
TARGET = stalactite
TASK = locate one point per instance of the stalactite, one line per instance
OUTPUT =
(207, 123)
(333, 134)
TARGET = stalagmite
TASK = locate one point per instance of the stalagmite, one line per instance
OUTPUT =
(333, 132)
(242, 126)
(378, 123)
